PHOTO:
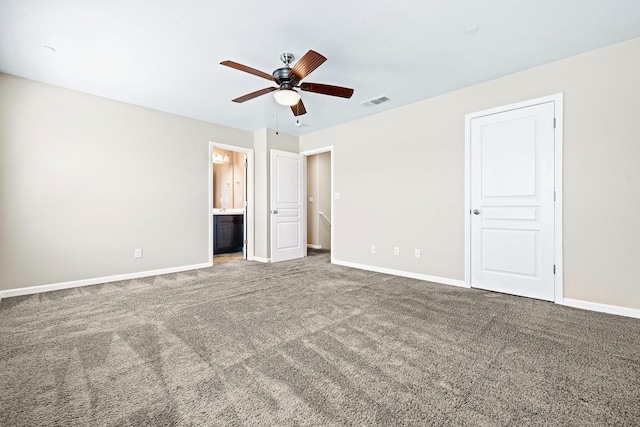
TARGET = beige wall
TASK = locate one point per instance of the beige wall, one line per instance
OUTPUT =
(324, 199)
(401, 175)
(85, 180)
(238, 180)
(228, 180)
(312, 193)
(261, 191)
(319, 188)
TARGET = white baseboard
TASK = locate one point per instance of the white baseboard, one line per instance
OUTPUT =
(425, 277)
(310, 246)
(603, 308)
(586, 305)
(86, 282)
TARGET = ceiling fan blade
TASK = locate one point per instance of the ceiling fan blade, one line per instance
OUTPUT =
(343, 92)
(298, 109)
(305, 65)
(248, 70)
(254, 94)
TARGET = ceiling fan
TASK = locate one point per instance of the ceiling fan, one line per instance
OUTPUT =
(289, 79)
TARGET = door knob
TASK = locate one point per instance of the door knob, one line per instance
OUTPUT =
(476, 212)
(274, 211)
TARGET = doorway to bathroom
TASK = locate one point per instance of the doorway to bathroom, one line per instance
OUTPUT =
(230, 197)
(319, 200)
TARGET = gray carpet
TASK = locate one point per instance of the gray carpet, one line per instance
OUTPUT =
(309, 343)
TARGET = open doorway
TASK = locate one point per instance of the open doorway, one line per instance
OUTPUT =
(230, 197)
(319, 200)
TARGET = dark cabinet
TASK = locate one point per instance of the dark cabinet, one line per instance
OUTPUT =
(228, 233)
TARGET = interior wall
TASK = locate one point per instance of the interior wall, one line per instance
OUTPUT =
(86, 180)
(238, 180)
(261, 199)
(324, 199)
(222, 178)
(401, 175)
(312, 200)
(228, 180)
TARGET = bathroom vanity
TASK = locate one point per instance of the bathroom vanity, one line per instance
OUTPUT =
(228, 232)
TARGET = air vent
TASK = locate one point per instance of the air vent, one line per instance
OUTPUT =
(375, 101)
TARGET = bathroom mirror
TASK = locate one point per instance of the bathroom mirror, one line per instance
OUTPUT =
(228, 179)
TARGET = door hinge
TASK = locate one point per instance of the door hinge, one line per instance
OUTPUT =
(554, 195)
(554, 122)
(554, 269)
(246, 164)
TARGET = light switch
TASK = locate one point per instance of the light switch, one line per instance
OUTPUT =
(337, 196)
(310, 199)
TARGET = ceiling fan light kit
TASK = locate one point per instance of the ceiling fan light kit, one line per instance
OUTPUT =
(290, 79)
(286, 97)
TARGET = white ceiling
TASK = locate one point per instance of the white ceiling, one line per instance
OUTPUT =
(165, 54)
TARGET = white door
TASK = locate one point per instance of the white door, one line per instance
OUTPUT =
(512, 202)
(288, 210)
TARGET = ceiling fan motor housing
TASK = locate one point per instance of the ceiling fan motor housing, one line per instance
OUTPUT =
(282, 76)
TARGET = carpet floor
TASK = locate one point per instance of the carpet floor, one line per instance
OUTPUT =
(309, 343)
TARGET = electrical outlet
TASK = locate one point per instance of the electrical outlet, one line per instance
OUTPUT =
(373, 249)
(416, 253)
(137, 253)
(396, 250)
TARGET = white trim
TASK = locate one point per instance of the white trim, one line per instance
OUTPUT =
(310, 246)
(260, 259)
(98, 280)
(317, 150)
(557, 220)
(557, 99)
(603, 308)
(210, 203)
(425, 277)
(467, 201)
(305, 226)
(516, 106)
(249, 216)
(327, 149)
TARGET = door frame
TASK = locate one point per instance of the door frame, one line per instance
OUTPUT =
(557, 100)
(307, 153)
(249, 210)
